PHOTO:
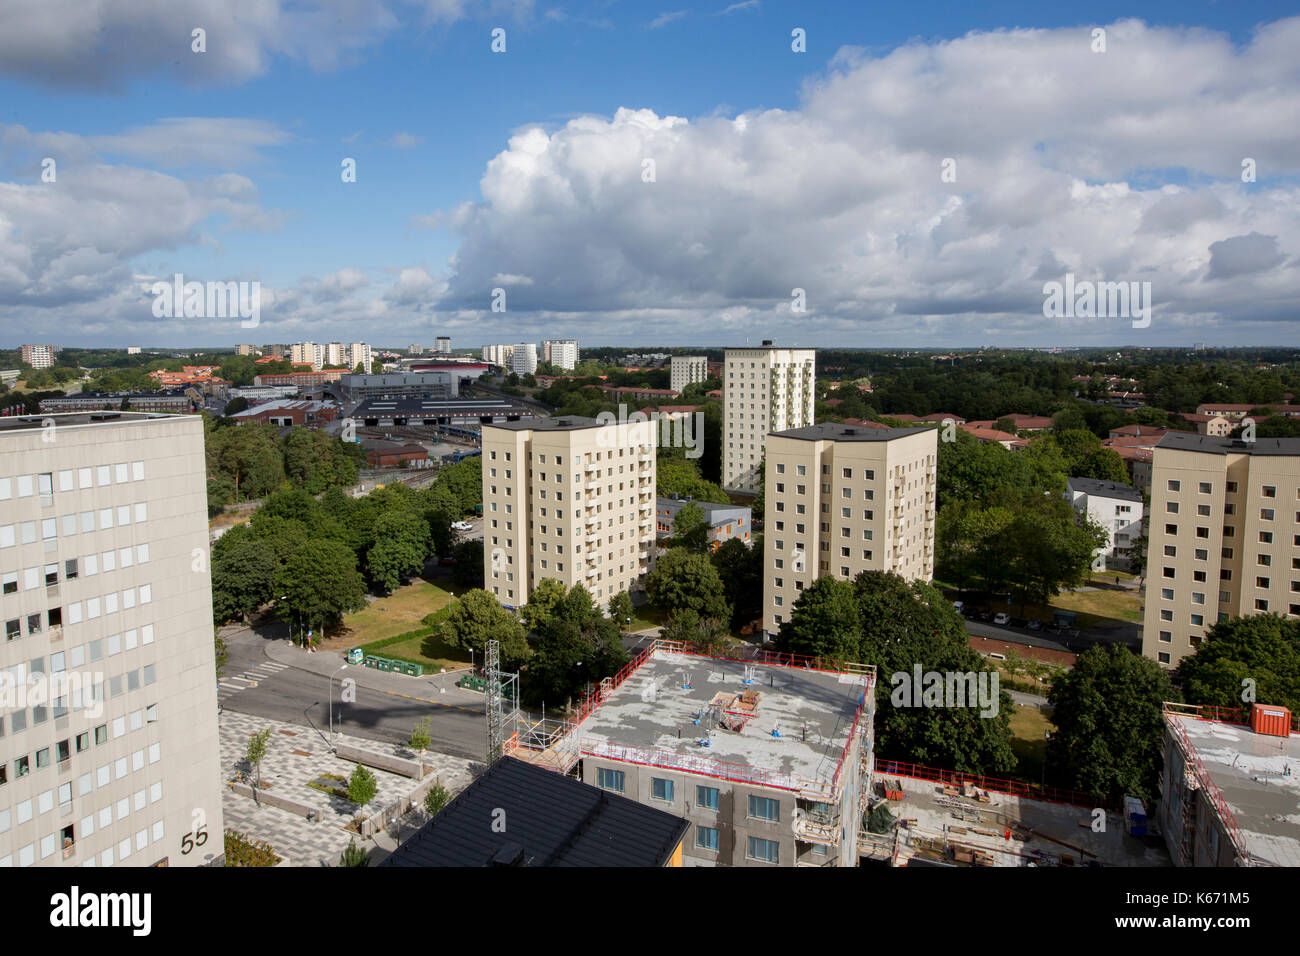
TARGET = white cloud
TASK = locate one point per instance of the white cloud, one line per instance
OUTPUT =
(405, 141)
(843, 197)
(666, 18)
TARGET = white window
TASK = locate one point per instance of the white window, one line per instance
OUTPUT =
(141, 511)
(121, 473)
(65, 480)
(103, 476)
(137, 470)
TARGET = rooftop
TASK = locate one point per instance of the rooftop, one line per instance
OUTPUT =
(16, 423)
(814, 711)
(837, 431)
(1104, 489)
(1259, 779)
(564, 423)
(1186, 441)
(432, 406)
(553, 820)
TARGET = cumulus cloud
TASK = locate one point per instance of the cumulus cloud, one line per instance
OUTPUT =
(1053, 147)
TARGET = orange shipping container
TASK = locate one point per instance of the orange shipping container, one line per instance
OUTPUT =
(1270, 720)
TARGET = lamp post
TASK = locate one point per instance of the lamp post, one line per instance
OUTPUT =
(331, 700)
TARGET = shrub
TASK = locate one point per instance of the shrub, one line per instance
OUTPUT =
(241, 851)
(436, 799)
(354, 855)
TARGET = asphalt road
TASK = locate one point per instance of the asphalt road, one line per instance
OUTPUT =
(1124, 634)
(301, 697)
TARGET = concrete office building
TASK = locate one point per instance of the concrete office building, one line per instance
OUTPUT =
(686, 370)
(571, 499)
(1118, 509)
(107, 608)
(766, 389)
(1223, 537)
(840, 500)
(562, 353)
(37, 356)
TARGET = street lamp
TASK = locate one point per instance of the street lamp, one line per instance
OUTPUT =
(331, 702)
(1047, 735)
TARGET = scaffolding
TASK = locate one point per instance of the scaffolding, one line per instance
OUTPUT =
(502, 700)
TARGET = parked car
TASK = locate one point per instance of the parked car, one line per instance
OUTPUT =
(983, 615)
(1019, 622)
(462, 526)
(1002, 618)
(1035, 624)
(958, 606)
(448, 561)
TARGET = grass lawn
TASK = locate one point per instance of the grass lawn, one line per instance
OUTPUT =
(1028, 725)
(646, 616)
(444, 655)
(399, 612)
(1093, 608)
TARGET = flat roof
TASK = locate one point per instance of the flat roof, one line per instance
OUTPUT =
(837, 431)
(434, 406)
(1259, 777)
(553, 820)
(814, 711)
(562, 423)
(16, 423)
(1186, 441)
(708, 507)
(1104, 489)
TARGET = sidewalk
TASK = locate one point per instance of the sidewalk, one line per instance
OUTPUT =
(433, 689)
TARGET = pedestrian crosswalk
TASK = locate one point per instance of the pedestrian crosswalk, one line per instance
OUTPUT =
(231, 684)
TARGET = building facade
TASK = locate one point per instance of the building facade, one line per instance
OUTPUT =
(725, 521)
(106, 607)
(498, 354)
(1223, 537)
(442, 345)
(562, 353)
(523, 358)
(37, 356)
(840, 500)
(686, 370)
(767, 389)
(1115, 507)
(571, 499)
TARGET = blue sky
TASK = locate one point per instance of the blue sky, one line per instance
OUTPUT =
(412, 92)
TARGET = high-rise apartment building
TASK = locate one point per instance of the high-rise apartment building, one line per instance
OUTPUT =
(523, 358)
(245, 349)
(359, 353)
(686, 370)
(498, 354)
(442, 345)
(109, 753)
(308, 353)
(840, 500)
(765, 389)
(571, 499)
(1223, 537)
(37, 356)
(562, 353)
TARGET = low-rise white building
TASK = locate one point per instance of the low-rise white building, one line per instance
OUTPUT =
(1118, 509)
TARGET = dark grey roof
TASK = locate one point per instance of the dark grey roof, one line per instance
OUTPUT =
(435, 406)
(560, 423)
(550, 820)
(1186, 441)
(1104, 489)
(838, 431)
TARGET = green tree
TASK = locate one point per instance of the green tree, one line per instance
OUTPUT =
(476, 619)
(682, 580)
(686, 626)
(1110, 724)
(621, 610)
(354, 856)
(401, 547)
(740, 568)
(576, 646)
(691, 528)
(235, 405)
(255, 752)
(1259, 653)
(362, 786)
(319, 583)
(243, 576)
(436, 799)
(546, 596)
(468, 571)
(420, 739)
(825, 621)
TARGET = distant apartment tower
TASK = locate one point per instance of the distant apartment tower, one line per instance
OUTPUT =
(840, 500)
(498, 354)
(562, 353)
(106, 610)
(1223, 538)
(523, 358)
(1118, 509)
(442, 345)
(307, 353)
(359, 353)
(686, 370)
(245, 350)
(567, 498)
(133, 350)
(335, 353)
(37, 356)
(765, 389)
(414, 349)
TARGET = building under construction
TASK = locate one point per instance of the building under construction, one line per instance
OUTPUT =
(769, 757)
(1230, 788)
